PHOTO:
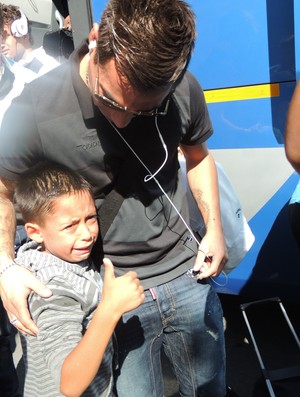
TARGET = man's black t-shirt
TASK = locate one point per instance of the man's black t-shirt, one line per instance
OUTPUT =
(55, 119)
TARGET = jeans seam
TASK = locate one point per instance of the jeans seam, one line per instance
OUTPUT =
(169, 293)
(176, 368)
(151, 363)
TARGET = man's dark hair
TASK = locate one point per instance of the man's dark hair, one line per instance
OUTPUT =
(39, 187)
(151, 40)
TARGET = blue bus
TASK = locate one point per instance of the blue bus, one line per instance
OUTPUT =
(247, 59)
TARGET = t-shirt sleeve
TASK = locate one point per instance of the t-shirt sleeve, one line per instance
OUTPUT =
(20, 142)
(199, 125)
(59, 319)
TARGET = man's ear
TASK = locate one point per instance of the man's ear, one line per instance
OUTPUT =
(34, 232)
(93, 36)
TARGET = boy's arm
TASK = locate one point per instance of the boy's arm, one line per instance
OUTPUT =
(15, 282)
(119, 295)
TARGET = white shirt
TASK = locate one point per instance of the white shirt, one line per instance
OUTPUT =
(21, 77)
(39, 62)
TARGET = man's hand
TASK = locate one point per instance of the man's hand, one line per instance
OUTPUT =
(211, 257)
(16, 283)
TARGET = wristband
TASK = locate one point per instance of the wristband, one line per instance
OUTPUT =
(3, 269)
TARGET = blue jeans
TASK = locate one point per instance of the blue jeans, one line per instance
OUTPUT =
(8, 375)
(9, 382)
(185, 319)
(5, 327)
(20, 237)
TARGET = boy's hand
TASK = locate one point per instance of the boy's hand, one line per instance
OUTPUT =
(123, 293)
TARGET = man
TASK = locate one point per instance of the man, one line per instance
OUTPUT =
(18, 42)
(117, 113)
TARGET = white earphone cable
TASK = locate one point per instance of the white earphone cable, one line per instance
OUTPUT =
(153, 176)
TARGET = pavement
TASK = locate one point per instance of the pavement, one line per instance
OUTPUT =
(244, 372)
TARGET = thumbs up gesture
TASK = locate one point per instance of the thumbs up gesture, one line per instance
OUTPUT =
(122, 293)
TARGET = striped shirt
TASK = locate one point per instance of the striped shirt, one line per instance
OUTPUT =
(62, 320)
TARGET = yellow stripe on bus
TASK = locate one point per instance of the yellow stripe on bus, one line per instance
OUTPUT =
(242, 93)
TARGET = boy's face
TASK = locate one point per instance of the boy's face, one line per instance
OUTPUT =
(71, 229)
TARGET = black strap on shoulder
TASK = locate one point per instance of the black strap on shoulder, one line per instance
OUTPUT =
(122, 186)
(109, 210)
(107, 213)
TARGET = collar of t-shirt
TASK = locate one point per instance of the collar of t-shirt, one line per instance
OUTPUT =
(82, 92)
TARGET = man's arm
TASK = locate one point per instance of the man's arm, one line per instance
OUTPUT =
(203, 182)
(292, 130)
(7, 223)
(15, 282)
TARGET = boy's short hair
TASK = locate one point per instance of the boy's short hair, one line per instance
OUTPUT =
(39, 186)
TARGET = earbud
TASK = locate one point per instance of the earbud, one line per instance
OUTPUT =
(19, 27)
(92, 45)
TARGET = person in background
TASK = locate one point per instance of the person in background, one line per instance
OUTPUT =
(59, 42)
(292, 130)
(18, 42)
(294, 213)
(13, 77)
(292, 150)
(73, 352)
(124, 107)
(62, 7)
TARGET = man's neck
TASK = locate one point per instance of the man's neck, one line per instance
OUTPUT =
(27, 56)
(83, 68)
